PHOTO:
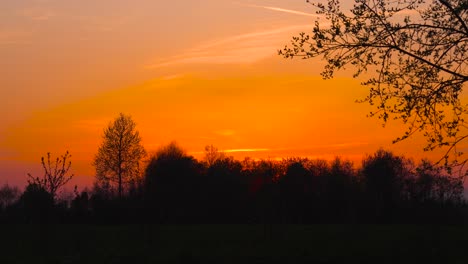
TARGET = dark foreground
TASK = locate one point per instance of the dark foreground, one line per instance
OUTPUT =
(233, 244)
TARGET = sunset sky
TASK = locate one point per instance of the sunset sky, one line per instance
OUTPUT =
(197, 72)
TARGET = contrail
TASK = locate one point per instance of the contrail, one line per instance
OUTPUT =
(287, 11)
(279, 9)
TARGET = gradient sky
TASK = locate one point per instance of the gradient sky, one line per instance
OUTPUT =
(197, 72)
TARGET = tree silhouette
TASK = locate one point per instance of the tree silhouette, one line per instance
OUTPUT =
(37, 203)
(432, 185)
(212, 154)
(224, 189)
(340, 189)
(80, 204)
(171, 184)
(418, 50)
(384, 178)
(295, 187)
(119, 156)
(8, 195)
(55, 174)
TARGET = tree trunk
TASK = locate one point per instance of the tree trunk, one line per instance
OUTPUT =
(120, 185)
(120, 167)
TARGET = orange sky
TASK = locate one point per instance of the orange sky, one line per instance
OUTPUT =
(198, 72)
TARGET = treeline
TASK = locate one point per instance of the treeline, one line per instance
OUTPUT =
(176, 188)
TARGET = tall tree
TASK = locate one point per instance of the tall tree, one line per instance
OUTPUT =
(119, 156)
(418, 50)
(55, 174)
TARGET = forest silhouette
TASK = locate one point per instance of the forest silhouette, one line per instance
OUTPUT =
(176, 188)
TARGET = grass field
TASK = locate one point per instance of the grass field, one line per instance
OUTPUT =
(233, 244)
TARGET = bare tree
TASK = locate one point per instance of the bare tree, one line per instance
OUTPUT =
(119, 156)
(418, 51)
(212, 154)
(55, 174)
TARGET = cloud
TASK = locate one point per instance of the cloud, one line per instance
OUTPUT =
(240, 150)
(245, 150)
(239, 49)
(102, 23)
(283, 10)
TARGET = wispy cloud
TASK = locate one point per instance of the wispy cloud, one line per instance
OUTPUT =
(108, 22)
(240, 49)
(283, 10)
(240, 150)
(245, 150)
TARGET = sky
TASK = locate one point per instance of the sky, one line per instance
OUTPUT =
(195, 72)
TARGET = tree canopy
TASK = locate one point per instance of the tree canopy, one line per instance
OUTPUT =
(119, 156)
(413, 55)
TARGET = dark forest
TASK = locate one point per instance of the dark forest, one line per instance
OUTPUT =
(178, 189)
